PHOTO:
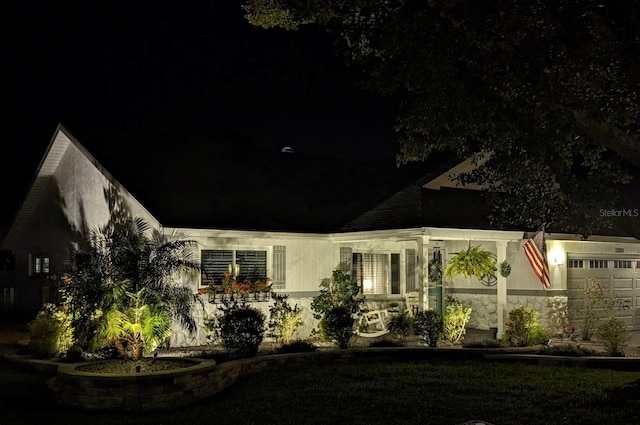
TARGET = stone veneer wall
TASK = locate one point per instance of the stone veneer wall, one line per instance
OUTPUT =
(484, 314)
(137, 392)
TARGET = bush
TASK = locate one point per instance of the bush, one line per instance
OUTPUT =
(455, 320)
(614, 336)
(339, 291)
(539, 335)
(284, 320)
(523, 328)
(428, 324)
(51, 333)
(339, 324)
(241, 330)
(400, 326)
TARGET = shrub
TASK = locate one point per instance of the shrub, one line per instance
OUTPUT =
(339, 325)
(241, 330)
(428, 324)
(598, 299)
(455, 320)
(523, 328)
(339, 291)
(284, 320)
(614, 336)
(539, 335)
(51, 332)
(73, 354)
(400, 326)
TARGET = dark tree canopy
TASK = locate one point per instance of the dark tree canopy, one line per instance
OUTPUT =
(544, 95)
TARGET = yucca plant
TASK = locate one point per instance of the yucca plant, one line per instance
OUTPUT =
(473, 261)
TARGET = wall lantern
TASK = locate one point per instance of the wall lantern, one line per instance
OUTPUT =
(557, 256)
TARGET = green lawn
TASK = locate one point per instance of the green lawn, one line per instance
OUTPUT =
(366, 393)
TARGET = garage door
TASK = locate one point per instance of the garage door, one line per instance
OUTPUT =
(621, 278)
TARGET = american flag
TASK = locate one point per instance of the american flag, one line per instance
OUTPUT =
(536, 251)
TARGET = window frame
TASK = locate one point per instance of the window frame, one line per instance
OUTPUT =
(234, 262)
(39, 265)
(393, 269)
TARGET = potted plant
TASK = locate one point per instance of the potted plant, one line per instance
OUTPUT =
(473, 261)
(262, 288)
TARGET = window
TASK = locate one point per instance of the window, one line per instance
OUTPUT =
(576, 264)
(622, 264)
(40, 265)
(598, 264)
(248, 264)
(377, 273)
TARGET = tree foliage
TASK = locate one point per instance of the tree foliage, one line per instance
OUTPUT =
(150, 262)
(543, 96)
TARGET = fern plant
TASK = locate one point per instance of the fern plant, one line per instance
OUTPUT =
(473, 261)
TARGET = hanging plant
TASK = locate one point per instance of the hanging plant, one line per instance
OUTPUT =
(505, 269)
(473, 261)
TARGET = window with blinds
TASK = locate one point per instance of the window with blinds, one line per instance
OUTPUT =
(251, 264)
(377, 273)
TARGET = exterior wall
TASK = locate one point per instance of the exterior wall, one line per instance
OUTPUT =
(70, 197)
(180, 338)
(73, 195)
(523, 287)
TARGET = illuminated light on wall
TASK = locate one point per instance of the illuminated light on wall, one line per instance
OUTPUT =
(557, 256)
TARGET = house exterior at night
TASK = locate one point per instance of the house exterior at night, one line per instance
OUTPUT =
(387, 244)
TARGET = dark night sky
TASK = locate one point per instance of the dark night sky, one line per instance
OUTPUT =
(128, 71)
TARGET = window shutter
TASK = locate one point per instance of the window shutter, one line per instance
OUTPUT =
(395, 273)
(357, 269)
(410, 255)
(345, 259)
(279, 267)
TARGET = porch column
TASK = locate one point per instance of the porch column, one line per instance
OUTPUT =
(423, 275)
(501, 302)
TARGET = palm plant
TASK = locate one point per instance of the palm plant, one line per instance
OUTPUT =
(133, 325)
(149, 261)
